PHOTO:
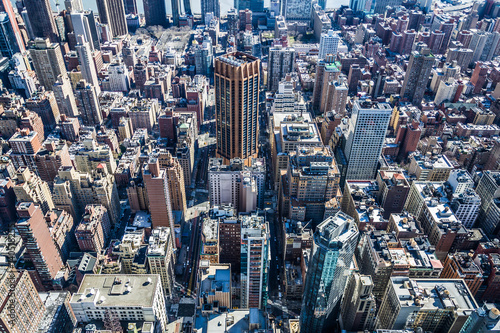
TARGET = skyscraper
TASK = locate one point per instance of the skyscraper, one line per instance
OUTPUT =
(112, 13)
(255, 258)
(41, 19)
(88, 105)
(17, 39)
(87, 64)
(175, 177)
(417, 75)
(73, 5)
(254, 5)
(26, 300)
(358, 306)
(8, 44)
(210, 6)
(281, 62)
(39, 245)
(155, 12)
(187, 6)
(84, 24)
(237, 77)
(160, 205)
(328, 44)
(333, 247)
(365, 138)
(176, 12)
(161, 258)
(48, 61)
(131, 7)
(297, 10)
(65, 98)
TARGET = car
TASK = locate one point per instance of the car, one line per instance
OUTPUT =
(275, 239)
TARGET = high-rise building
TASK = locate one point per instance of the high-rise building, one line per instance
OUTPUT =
(88, 103)
(41, 20)
(311, 185)
(210, 6)
(229, 235)
(84, 24)
(20, 292)
(255, 6)
(365, 138)
(65, 98)
(25, 144)
(73, 191)
(333, 247)
(175, 178)
(297, 10)
(7, 204)
(100, 294)
(417, 75)
(38, 241)
(62, 230)
(489, 191)
(236, 184)
(176, 12)
(73, 5)
(8, 42)
(358, 305)
(88, 155)
(281, 62)
(334, 95)
(155, 12)
(48, 61)
(160, 204)
(131, 7)
(445, 307)
(87, 64)
(329, 44)
(326, 70)
(93, 231)
(187, 6)
(45, 105)
(255, 261)
(112, 13)
(161, 258)
(237, 77)
(6, 6)
(30, 188)
(51, 157)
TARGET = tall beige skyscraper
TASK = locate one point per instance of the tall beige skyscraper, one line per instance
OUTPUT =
(87, 64)
(30, 188)
(65, 98)
(237, 77)
(112, 13)
(47, 60)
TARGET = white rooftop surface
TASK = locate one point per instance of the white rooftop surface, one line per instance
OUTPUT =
(457, 289)
(141, 220)
(134, 290)
(216, 323)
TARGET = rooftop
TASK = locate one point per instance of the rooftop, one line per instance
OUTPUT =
(237, 59)
(116, 290)
(448, 294)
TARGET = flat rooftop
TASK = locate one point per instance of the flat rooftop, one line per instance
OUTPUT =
(434, 294)
(237, 58)
(117, 290)
(219, 323)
